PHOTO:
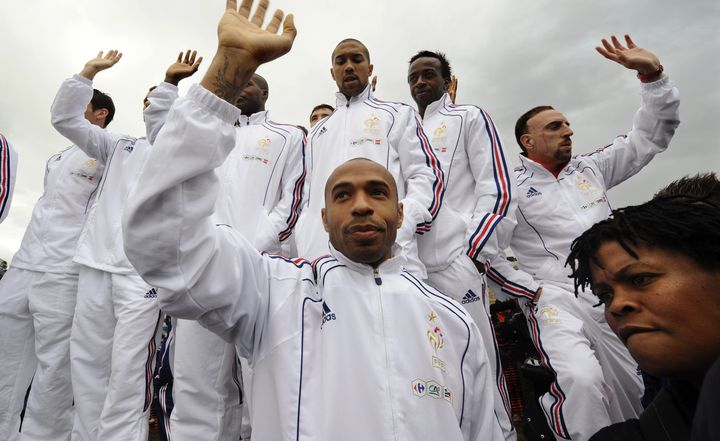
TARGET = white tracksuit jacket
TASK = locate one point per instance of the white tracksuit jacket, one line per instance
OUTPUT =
(388, 133)
(478, 187)
(8, 171)
(100, 242)
(339, 351)
(261, 181)
(71, 180)
(554, 211)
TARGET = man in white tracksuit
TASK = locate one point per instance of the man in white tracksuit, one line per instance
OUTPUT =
(115, 328)
(349, 347)
(8, 171)
(37, 296)
(559, 197)
(260, 189)
(473, 225)
(365, 127)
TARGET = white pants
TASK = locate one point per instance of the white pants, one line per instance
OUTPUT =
(597, 381)
(36, 311)
(207, 388)
(462, 282)
(112, 347)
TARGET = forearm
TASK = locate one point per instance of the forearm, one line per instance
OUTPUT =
(229, 72)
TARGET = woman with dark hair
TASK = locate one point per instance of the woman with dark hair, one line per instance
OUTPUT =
(656, 268)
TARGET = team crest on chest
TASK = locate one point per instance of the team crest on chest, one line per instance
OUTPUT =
(439, 139)
(87, 171)
(372, 125)
(437, 341)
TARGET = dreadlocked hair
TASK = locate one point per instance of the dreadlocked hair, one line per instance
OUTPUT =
(677, 224)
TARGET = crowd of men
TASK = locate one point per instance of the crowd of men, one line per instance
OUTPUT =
(401, 217)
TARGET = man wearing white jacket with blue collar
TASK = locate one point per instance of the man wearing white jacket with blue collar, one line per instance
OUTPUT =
(350, 346)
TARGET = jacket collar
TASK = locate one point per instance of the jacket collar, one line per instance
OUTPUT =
(255, 118)
(391, 266)
(435, 106)
(341, 100)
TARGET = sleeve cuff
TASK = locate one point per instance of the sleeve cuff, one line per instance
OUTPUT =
(220, 108)
(82, 79)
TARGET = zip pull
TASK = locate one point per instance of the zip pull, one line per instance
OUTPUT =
(376, 274)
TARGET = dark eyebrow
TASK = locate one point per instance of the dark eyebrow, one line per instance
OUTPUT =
(340, 185)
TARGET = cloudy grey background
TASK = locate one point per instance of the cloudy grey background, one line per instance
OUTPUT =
(509, 55)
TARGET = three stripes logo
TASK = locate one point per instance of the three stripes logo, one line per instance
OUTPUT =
(470, 297)
(152, 294)
(532, 192)
(328, 315)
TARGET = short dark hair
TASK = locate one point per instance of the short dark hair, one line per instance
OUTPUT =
(521, 126)
(366, 52)
(322, 106)
(101, 100)
(703, 187)
(672, 224)
(445, 70)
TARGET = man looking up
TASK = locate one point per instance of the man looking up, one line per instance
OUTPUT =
(353, 324)
(387, 133)
(260, 189)
(473, 226)
(559, 197)
(320, 112)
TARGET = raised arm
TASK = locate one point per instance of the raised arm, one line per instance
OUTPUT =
(169, 237)
(654, 123)
(160, 99)
(72, 114)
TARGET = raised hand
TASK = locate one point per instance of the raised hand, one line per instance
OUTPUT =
(452, 88)
(632, 57)
(182, 69)
(243, 45)
(100, 63)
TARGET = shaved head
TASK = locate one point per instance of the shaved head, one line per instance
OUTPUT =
(352, 166)
(365, 50)
(261, 83)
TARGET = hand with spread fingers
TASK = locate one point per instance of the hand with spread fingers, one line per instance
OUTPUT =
(243, 45)
(100, 63)
(183, 68)
(632, 57)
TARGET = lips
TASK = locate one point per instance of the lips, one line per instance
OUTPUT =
(627, 331)
(350, 77)
(364, 232)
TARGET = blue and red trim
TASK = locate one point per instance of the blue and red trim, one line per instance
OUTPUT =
(297, 198)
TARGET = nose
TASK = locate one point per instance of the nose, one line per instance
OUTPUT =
(568, 131)
(362, 205)
(621, 304)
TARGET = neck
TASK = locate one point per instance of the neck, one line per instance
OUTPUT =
(552, 166)
(421, 110)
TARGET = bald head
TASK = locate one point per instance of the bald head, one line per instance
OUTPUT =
(360, 166)
(261, 83)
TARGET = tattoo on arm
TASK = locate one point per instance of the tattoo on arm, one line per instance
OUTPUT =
(228, 90)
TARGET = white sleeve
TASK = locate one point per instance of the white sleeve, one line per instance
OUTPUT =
(423, 177)
(8, 170)
(161, 99)
(284, 215)
(202, 271)
(492, 222)
(653, 127)
(509, 282)
(68, 117)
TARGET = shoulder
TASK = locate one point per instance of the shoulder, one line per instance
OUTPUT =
(444, 305)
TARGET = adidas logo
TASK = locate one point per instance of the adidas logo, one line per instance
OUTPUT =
(532, 192)
(130, 147)
(152, 294)
(323, 130)
(469, 297)
(328, 315)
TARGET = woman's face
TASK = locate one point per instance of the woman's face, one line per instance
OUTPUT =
(663, 306)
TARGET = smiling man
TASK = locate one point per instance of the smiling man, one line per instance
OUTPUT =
(559, 196)
(350, 346)
(364, 127)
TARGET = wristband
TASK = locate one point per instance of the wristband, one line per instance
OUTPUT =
(645, 78)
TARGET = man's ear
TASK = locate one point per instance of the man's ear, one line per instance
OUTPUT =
(101, 115)
(324, 220)
(527, 141)
(332, 74)
(371, 70)
(401, 214)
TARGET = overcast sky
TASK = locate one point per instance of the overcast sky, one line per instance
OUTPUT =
(509, 56)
